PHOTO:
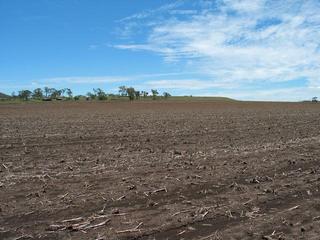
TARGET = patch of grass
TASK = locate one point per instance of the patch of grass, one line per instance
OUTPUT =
(18, 101)
(175, 98)
(189, 98)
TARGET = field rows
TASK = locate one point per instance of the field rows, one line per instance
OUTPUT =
(159, 171)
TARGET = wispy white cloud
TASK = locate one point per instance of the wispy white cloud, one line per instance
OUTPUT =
(93, 46)
(183, 12)
(190, 84)
(247, 6)
(105, 79)
(11, 86)
(282, 94)
(82, 80)
(243, 41)
(173, 81)
(147, 13)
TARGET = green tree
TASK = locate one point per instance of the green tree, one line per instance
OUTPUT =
(101, 95)
(37, 93)
(47, 91)
(25, 94)
(123, 91)
(137, 94)
(77, 98)
(63, 91)
(154, 93)
(91, 95)
(144, 94)
(53, 93)
(166, 95)
(131, 93)
(59, 93)
(69, 93)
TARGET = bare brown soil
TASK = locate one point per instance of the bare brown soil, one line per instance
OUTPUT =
(160, 170)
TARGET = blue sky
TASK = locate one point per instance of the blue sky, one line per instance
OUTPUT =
(245, 49)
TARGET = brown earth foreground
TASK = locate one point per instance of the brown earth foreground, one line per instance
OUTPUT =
(160, 170)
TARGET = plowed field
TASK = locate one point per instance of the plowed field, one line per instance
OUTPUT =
(160, 170)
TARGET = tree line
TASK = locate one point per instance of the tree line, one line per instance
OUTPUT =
(49, 94)
(44, 94)
(132, 94)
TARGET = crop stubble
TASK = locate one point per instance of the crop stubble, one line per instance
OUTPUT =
(160, 170)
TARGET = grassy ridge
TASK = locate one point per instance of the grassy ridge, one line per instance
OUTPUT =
(189, 98)
(4, 96)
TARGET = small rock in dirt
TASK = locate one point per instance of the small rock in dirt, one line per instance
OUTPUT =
(268, 190)
(267, 179)
(176, 152)
(267, 238)
(191, 228)
(316, 218)
(152, 204)
(313, 171)
(291, 162)
(254, 180)
(55, 227)
(115, 211)
(132, 187)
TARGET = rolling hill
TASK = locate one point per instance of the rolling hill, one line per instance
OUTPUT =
(2, 95)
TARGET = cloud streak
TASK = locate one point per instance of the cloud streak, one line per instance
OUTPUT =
(238, 41)
(106, 79)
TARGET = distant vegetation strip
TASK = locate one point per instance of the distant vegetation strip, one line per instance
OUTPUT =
(124, 94)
